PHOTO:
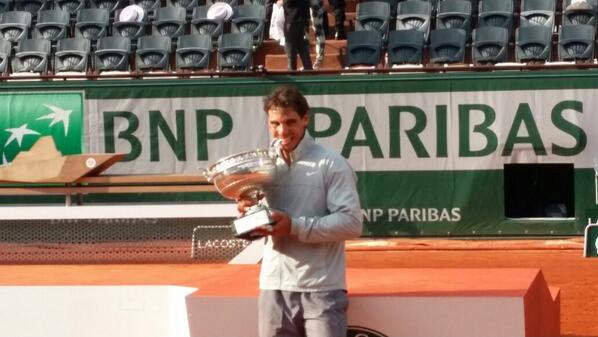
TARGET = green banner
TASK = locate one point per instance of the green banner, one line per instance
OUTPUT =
(28, 116)
(430, 150)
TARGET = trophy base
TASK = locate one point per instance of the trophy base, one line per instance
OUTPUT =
(245, 225)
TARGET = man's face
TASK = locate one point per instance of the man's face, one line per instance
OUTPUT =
(286, 125)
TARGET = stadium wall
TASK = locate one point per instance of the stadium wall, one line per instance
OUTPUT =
(429, 149)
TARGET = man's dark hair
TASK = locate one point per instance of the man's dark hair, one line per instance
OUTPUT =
(288, 97)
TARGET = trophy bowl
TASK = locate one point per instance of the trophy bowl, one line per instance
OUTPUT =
(244, 175)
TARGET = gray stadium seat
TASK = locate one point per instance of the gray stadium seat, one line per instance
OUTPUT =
(577, 16)
(250, 19)
(92, 23)
(153, 53)
(537, 13)
(111, 5)
(447, 45)
(169, 21)
(72, 54)
(188, 5)
(200, 24)
(31, 6)
(132, 30)
(364, 48)
(576, 42)
(415, 14)
(112, 54)
(32, 55)
(235, 51)
(14, 25)
(497, 13)
(489, 45)
(533, 43)
(5, 5)
(232, 3)
(149, 6)
(454, 14)
(193, 52)
(373, 15)
(52, 24)
(405, 47)
(71, 6)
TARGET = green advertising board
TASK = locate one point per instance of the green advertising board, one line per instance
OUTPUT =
(27, 116)
(430, 150)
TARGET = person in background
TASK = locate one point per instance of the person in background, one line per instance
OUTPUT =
(320, 24)
(296, 21)
(315, 208)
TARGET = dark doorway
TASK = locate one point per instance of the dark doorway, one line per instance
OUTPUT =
(539, 190)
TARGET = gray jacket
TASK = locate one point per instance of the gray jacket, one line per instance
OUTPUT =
(318, 191)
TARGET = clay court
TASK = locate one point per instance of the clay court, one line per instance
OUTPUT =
(560, 260)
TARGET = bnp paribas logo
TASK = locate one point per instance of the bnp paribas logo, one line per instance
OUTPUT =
(25, 117)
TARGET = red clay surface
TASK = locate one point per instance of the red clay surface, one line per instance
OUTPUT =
(561, 263)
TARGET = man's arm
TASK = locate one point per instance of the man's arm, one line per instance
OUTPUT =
(345, 218)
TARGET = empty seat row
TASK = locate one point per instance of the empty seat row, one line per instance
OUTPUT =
(420, 15)
(154, 53)
(490, 45)
(94, 23)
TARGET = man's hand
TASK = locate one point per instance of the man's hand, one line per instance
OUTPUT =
(243, 205)
(280, 227)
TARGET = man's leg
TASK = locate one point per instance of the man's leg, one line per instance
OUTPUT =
(317, 13)
(338, 8)
(303, 47)
(279, 314)
(325, 313)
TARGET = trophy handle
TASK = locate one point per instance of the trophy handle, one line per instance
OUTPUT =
(274, 150)
(205, 173)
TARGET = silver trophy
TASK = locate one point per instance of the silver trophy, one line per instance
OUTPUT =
(244, 176)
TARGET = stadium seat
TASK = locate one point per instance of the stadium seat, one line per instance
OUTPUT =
(454, 14)
(153, 53)
(32, 55)
(533, 43)
(200, 24)
(577, 15)
(405, 47)
(576, 42)
(497, 13)
(447, 45)
(71, 6)
(112, 54)
(31, 6)
(232, 3)
(92, 23)
(392, 4)
(170, 22)
(52, 24)
(537, 13)
(72, 54)
(111, 5)
(132, 30)
(235, 51)
(415, 14)
(373, 15)
(250, 19)
(489, 45)
(5, 5)
(149, 6)
(364, 48)
(5, 51)
(188, 5)
(14, 25)
(193, 52)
